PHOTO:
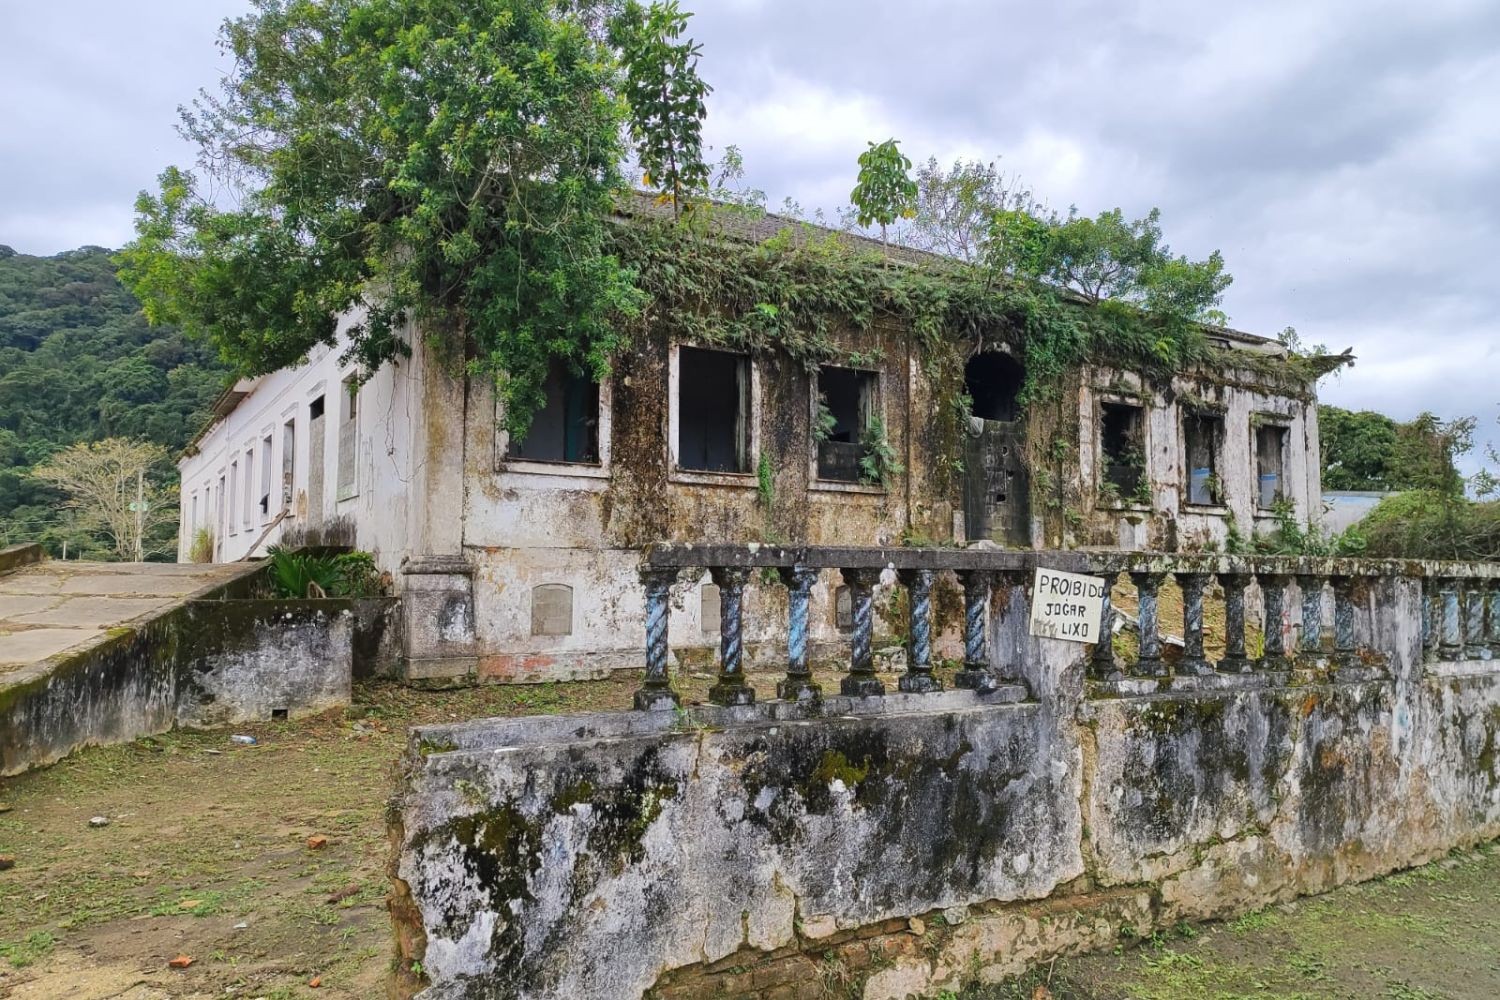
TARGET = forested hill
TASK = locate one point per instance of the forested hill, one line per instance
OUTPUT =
(79, 363)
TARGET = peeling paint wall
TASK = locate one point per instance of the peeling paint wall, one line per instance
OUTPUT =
(731, 852)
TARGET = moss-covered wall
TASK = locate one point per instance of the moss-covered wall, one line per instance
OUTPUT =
(911, 844)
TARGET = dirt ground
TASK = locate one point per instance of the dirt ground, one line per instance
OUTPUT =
(206, 854)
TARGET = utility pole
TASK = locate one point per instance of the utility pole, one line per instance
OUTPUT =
(140, 514)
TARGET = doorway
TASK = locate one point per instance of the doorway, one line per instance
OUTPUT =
(997, 487)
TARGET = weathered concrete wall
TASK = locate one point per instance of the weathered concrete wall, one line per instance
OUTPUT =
(202, 663)
(752, 852)
(13, 557)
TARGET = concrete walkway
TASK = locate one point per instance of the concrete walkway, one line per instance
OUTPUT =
(58, 607)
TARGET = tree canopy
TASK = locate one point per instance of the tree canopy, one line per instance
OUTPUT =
(446, 162)
(1109, 258)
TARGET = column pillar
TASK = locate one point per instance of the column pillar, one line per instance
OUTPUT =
(731, 688)
(798, 684)
(918, 678)
(656, 691)
(861, 680)
(1149, 663)
(976, 674)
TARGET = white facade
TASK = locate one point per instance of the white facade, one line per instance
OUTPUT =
(270, 465)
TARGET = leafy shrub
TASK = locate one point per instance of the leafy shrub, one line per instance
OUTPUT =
(302, 574)
(1423, 524)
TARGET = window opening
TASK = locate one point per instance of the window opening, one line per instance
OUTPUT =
(713, 411)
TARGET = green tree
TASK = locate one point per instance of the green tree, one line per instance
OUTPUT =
(885, 191)
(955, 207)
(1109, 258)
(665, 95)
(1370, 451)
(445, 163)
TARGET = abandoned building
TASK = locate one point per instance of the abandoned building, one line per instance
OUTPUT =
(519, 559)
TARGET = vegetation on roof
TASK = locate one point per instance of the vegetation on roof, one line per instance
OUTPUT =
(453, 164)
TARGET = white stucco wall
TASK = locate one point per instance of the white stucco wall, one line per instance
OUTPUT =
(377, 510)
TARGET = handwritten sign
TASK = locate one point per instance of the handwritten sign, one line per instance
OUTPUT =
(1066, 605)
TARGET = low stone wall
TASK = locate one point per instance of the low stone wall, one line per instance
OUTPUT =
(13, 557)
(907, 844)
(201, 663)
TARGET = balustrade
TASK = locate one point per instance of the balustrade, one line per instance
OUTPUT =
(1458, 609)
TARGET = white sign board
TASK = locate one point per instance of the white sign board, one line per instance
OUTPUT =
(1066, 605)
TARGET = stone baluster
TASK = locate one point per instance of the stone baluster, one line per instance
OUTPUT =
(731, 687)
(918, 678)
(1012, 592)
(976, 674)
(861, 680)
(1274, 589)
(1345, 653)
(656, 691)
(1311, 645)
(1476, 642)
(1102, 662)
(1494, 618)
(1235, 661)
(1430, 606)
(1194, 586)
(1450, 634)
(1147, 586)
(798, 684)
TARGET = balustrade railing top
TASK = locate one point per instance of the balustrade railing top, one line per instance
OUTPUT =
(1460, 611)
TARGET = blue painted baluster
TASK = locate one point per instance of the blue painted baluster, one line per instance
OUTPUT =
(918, 678)
(1235, 661)
(731, 688)
(1311, 645)
(798, 684)
(1451, 641)
(1149, 663)
(656, 691)
(1102, 661)
(861, 681)
(976, 674)
(1274, 589)
(1194, 586)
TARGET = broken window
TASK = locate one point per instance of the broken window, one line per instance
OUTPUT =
(552, 609)
(713, 411)
(993, 381)
(315, 408)
(566, 428)
(265, 476)
(1270, 464)
(1202, 439)
(348, 482)
(288, 461)
(841, 425)
(1122, 450)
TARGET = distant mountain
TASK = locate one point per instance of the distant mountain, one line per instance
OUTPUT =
(79, 363)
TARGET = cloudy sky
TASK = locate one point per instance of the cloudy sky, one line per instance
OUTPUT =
(1343, 154)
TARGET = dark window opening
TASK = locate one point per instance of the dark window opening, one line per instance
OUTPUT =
(1203, 435)
(1122, 442)
(315, 408)
(265, 476)
(993, 381)
(1270, 464)
(713, 411)
(566, 428)
(846, 409)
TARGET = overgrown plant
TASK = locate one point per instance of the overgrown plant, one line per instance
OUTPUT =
(878, 464)
(298, 575)
(202, 548)
(824, 421)
(885, 191)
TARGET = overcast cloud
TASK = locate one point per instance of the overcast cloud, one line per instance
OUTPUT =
(1343, 154)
